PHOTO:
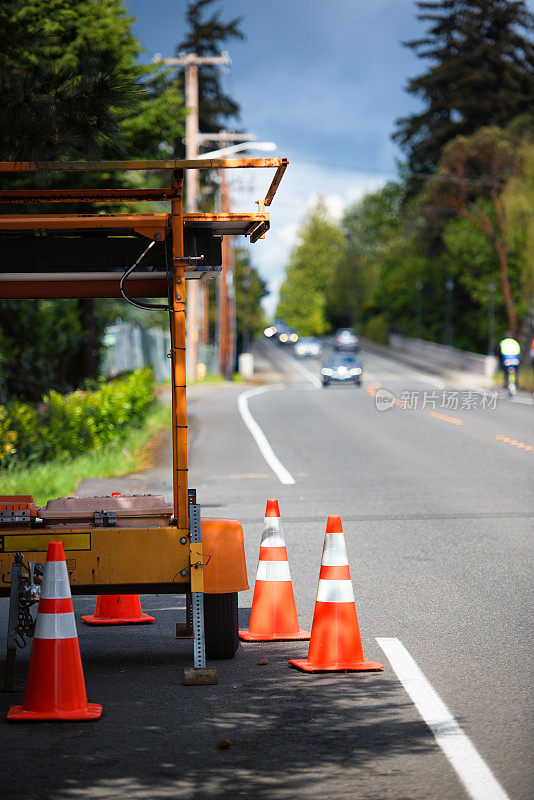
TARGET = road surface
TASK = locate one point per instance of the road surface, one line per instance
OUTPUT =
(437, 504)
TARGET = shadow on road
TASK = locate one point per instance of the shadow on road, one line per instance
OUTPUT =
(291, 735)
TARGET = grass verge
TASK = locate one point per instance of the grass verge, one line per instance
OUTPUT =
(60, 478)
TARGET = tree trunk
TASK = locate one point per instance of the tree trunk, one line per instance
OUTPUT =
(500, 250)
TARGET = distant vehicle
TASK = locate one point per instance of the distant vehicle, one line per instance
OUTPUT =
(347, 339)
(342, 369)
(277, 327)
(286, 335)
(307, 347)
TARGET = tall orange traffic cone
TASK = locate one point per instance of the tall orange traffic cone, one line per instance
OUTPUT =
(273, 617)
(117, 609)
(55, 687)
(335, 643)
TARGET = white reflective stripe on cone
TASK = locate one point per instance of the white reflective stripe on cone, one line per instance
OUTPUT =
(55, 581)
(334, 550)
(273, 535)
(55, 626)
(335, 591)
(273, 571)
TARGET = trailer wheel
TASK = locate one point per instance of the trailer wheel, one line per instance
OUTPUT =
(221, 625)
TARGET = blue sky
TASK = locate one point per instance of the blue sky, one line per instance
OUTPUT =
(325, 80)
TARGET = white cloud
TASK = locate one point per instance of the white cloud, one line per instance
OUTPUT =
(300, 188)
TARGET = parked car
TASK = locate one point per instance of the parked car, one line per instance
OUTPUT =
(347, 339)
(307, 347)
(342, 369)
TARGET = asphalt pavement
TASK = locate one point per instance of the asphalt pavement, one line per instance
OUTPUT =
(434, 483)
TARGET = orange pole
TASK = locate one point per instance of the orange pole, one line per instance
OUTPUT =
(177, 325)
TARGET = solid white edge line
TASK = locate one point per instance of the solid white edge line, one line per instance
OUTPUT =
(474, 773)
(258, 435)
(301, 368)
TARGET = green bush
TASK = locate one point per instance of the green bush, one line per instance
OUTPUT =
(376, 329)
(63, 426)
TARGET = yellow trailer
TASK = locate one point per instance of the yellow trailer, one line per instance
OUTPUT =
(133, 256)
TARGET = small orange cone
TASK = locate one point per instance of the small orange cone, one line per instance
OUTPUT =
(117, 609)
(273, 617)
(335, 643)
(55, 686)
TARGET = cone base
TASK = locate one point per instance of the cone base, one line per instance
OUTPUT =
(343, 666)
(90, 619)
(246, 636)
(92, 711)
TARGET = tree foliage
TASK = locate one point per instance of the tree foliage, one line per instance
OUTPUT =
(313, 266)
(481, 74)
(472, 172)
(71, 87)
(206, 36)
(250, 289)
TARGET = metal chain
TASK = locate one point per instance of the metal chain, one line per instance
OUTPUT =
(26, 623)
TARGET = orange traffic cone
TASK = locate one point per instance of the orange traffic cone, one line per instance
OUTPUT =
(274, 615)
(335, 643)
(55, 687)
(117, 609)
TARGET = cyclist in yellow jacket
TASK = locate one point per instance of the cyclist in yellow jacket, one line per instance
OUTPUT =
(510, 352)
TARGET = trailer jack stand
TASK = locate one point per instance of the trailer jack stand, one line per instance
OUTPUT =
(199, 674)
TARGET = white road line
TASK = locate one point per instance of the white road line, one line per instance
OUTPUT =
(524, 400)
(476, 776)
(301, 368)
(258, 435)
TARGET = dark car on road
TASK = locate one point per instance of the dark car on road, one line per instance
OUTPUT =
(347, 339)
(342, 369)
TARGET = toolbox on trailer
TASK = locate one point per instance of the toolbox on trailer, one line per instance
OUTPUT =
(110, 511)
(121, 544)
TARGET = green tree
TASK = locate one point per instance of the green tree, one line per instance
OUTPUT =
(471, 175)
(367, 227)
(71, 87)
(250, 288)
(481, 74)
(518, 203)
(313, 266)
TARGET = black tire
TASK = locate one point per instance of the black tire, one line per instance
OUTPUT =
(221, 625)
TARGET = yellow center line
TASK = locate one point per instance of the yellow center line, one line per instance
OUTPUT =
(514, 443)
(444, 418)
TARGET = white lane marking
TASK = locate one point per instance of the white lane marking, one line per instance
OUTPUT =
(477, 778)
(524, 400)
(258, 435)
(302, 369)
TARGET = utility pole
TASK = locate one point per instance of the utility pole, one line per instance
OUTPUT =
(226, 285)
(191, 62)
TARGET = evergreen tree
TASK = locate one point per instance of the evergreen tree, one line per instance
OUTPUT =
(206, 36)
(71, 87)
(482, 73)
